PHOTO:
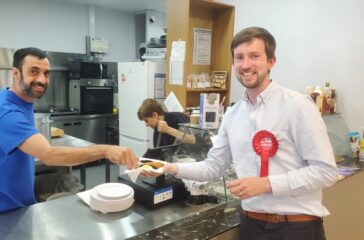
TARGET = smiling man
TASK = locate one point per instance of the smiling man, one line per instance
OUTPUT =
(20, 141)
(35, 70)
(278, 145)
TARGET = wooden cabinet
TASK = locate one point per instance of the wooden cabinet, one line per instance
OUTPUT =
(345, 203)
(183, 16)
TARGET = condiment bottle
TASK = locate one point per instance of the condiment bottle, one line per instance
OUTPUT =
(317, 96)
(333, 101)
(361, 150)
(326, 104)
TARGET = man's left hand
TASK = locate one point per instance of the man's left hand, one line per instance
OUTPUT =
(249, 187)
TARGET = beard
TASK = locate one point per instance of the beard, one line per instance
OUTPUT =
(28, 89)
(252, 84)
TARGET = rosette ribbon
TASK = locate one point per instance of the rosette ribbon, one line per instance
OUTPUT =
(265, 145)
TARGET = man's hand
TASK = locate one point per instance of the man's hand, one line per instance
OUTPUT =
(122, 156)
(249, 187)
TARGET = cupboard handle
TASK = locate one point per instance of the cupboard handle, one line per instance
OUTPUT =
(77, 123)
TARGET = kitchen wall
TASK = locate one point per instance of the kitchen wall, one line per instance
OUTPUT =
(63, 27)
(317, 41)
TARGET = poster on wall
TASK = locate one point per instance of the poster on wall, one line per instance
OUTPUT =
(201, 46)
(159, 86)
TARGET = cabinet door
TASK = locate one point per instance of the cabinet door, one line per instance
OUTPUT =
(92, 130)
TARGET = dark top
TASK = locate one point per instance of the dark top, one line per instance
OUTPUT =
(172, 119)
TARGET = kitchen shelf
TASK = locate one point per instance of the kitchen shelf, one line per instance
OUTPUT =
(183, 17)
(200, 90)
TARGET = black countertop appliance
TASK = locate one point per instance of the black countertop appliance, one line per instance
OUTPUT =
(161, 190)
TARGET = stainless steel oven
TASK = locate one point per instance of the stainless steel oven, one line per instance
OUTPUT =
(91, 96)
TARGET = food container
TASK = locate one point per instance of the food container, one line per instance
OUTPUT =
(195, 117)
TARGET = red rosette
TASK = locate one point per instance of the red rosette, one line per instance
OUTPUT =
(265, 145)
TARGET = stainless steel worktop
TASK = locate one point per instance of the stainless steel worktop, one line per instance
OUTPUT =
(67, 140)
(88, 127)
(70, 218)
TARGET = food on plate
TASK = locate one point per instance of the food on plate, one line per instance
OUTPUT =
(147, 167)
(148, 163)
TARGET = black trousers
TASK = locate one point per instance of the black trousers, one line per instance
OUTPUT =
(251, 229)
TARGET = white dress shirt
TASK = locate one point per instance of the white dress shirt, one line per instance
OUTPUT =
(302, 166)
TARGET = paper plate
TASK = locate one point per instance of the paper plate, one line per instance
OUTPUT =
(99, 203)
(113, 190)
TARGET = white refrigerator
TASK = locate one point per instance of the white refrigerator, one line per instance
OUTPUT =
(136, 82)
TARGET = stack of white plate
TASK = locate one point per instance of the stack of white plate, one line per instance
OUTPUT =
(111, 197)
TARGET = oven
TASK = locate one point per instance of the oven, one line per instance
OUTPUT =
(91, 96)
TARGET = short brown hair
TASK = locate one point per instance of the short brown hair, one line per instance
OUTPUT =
(148, 107)
(248, 34)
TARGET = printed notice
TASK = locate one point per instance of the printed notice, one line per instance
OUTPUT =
(202, 46)
(159, 85)
(176, 62)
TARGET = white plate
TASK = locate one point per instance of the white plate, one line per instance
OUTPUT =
(113, 190)
(99, 203)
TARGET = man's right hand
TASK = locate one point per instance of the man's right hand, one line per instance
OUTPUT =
(123, 156)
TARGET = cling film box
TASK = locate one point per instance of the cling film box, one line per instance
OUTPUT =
(209, 110)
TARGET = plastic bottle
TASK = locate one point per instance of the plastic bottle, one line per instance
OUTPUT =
(326, 104)
(317, 96)
(361, 150)
(333, 101)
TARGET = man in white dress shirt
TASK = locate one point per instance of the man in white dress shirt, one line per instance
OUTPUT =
(281, 199)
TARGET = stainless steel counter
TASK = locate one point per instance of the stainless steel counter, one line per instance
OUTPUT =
(70, 218)
(67, 140)
(89, 127)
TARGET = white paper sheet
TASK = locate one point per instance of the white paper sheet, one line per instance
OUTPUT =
(133, 174)
(176, 72)
(176, 62)
(172, 104)
(85, 196)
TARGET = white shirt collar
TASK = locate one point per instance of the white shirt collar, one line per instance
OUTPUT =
(265, 95)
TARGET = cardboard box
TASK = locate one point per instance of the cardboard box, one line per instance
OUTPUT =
(209, 110)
